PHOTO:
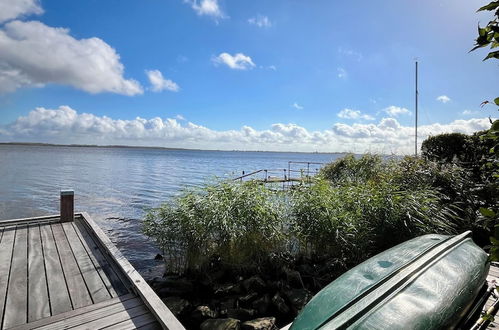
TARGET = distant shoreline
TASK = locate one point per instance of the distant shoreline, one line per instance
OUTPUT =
(38, 144)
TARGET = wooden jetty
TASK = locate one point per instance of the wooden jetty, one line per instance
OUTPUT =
(493, 300)
(63, 272)
(287, 176)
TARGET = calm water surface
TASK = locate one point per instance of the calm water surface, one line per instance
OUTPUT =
(116, 186)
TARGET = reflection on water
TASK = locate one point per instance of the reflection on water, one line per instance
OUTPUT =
(117, 185)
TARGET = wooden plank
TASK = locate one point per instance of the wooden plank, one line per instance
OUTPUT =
(47, 218)
(17, 293)
(74, 313)
(156, 306)
(95, 315)
(6, 247)
(108, 274)
(151, 326)
(113, 318)
(95, 285)
(78, 291)
(137, 322)
(60, 301)
(38, 301)
(494, 270)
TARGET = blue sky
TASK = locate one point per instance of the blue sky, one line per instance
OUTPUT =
(256, 75)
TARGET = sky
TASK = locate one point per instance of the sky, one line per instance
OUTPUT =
(280, 75)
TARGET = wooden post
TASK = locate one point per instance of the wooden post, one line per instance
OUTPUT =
(67, 205)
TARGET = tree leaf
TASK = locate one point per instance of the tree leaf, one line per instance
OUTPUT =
(491, 6)
(487, 212)
(496, 100)
(492, 55)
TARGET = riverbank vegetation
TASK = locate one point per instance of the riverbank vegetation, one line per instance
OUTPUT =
(290, 243)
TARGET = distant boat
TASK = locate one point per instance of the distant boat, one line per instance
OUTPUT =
(429, 282)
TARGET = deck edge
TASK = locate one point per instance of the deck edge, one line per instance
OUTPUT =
(162, 313)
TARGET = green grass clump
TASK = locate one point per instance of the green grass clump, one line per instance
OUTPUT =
(353, 221)
(240, 223)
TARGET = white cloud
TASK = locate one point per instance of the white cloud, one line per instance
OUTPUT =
(65, 125)
(469, 112)
(179, 117)
(237, 62)
(350, 53)
(11, 9)
(206, 7)
(260, 21)
(353, 114)
(395, 111)
(158, 83)
(297, 106)
(342, 73)
(272, 67)
(34, 54)
(443, 98)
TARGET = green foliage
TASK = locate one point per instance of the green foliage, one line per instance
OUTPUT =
(350, 169)
(356, 207)
(237, 222)
(446, 147)
(489, 36)
(353, 221)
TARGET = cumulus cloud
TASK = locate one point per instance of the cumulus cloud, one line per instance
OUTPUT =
(237, 62)
(10, 9)
(342, 73)
(443, 98)
(350, 53)
(179, 117)
(395, 111)
(354, 114)
(297, 106)
(66, 125)
(469, 112)
(159, 83)
(206, 8)
(260, 21)
(34, 54)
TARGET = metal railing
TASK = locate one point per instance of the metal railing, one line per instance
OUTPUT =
(284, 175)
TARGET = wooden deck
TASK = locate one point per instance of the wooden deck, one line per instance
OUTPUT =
(56, 275)
(493, 277)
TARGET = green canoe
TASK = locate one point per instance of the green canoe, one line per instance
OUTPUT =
(429, 282)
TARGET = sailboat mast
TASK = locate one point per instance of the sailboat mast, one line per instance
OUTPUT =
(416, 121)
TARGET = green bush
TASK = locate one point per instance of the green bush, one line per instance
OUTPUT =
(354, 221)
(350, 169)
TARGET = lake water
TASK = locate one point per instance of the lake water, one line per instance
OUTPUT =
(116, 186)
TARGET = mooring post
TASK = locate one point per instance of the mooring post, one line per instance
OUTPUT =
(67, 205)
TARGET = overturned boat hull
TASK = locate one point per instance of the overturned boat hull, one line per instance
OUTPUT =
(429, 282)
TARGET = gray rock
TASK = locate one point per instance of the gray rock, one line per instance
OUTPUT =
(226, 304)
(280, 304)
(177, 305)
(293, 278)
(298, 298)
(254, 284)
(226, 289)
(261, 305)
(202, 313)
(221, 324)
(242, 314)
(248, 298)
(264, 323)
(172, 287)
